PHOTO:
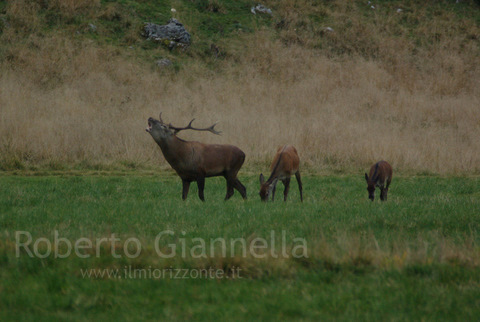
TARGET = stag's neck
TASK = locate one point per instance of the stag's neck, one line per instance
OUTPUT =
(173, 149)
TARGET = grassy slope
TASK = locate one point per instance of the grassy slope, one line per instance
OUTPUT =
(409, 75)
(119, 23)
(415, 256)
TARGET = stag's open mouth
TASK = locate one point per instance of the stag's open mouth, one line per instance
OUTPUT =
(149, 128)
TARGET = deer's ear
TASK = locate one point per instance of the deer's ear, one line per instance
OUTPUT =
(366, 177)
(262, 179)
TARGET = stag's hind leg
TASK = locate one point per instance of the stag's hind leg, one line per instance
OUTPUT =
(233, 182)
(230, 186)
(231, 176)
(241, 188)
(300, 187)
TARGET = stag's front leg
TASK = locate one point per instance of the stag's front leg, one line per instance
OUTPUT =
(286, 183)
(201, 187)
(185, 187)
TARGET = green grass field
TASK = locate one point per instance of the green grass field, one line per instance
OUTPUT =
(89, 218)
(415, 256)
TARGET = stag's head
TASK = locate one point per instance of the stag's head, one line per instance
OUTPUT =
(370, 188)
(159, 130)
(266, 188)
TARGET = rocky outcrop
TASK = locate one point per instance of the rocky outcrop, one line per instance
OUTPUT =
(261, 8)
(171, 34)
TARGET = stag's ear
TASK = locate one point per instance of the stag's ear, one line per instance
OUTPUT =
(366, 177)
(262, 179)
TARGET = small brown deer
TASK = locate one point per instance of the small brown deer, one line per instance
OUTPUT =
(195, 161)
(380, 176)
(285, 163)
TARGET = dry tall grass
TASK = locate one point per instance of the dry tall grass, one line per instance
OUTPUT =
(67, 102)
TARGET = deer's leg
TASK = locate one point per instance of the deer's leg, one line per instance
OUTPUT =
(300, 187)
(382, 193)
(201, 187)
(230, 191)
(233, 182)
(386, 188)
(286, 183)
(241, 188)
(273, 190)
(185, 187)
(233, 176)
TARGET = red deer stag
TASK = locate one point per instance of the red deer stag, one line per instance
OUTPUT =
(195, 161)
(285, 163)
(380, 176)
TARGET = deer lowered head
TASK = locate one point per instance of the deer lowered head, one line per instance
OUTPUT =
(266, 188)
(285, 164)
(380, 176)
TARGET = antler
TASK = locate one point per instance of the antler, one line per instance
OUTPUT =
(160, 117)
(189, 127)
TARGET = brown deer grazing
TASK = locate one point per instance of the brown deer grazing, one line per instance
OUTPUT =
(380, 176)
(285, 163)
(195, 161)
